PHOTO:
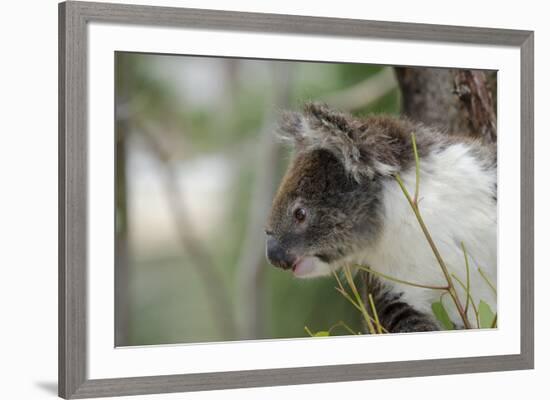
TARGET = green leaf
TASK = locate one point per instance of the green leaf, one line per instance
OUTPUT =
(486, 315)
(442, 316)
(316, 334)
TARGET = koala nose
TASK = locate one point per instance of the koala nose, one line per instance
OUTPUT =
(277, 255)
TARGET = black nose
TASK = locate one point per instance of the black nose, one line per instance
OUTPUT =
(277, 255)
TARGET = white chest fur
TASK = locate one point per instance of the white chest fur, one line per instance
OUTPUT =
(457, 203)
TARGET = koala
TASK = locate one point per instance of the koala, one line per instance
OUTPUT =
(339, 204)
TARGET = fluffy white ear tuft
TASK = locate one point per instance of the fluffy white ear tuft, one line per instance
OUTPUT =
(291, 127)
(319, 127)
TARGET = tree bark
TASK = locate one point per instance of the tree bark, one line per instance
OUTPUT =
(457, 101)
(476, 103)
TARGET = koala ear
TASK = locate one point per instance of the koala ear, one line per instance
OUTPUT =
(291, 128)
(319, 127)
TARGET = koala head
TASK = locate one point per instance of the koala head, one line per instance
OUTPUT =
(328, 206)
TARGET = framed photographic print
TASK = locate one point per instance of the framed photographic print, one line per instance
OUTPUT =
(255, 199)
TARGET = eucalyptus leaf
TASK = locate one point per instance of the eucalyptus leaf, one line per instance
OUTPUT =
(442, 316)
(316, 334)
(486, 315)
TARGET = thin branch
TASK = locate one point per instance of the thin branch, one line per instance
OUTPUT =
(416, 210)
(467, 277)
(358, 305)
(340, 289)
(486, 278)
(417, 170)
(469, 298)
(355, 292)
(391, 278)
(346, 327)
(343, 325)
(349, 298)
(308, 331)
(375, 313)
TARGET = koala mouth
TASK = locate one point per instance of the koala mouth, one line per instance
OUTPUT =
(310, 267)
(304, 266)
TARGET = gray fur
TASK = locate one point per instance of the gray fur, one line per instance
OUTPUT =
(342, 213)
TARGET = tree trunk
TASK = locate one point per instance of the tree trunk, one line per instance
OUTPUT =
(455, 100)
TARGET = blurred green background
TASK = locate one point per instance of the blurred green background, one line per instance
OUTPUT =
(197, 163)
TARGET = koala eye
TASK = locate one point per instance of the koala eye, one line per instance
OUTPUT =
(300, 214)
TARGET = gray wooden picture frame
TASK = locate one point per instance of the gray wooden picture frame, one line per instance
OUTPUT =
(73, 173)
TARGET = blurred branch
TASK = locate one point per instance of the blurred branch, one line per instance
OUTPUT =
(250, 276)
(216, 291)
(122, 254)
(363, 93)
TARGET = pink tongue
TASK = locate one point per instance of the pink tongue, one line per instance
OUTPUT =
(304, 266)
